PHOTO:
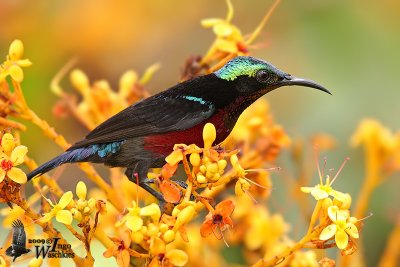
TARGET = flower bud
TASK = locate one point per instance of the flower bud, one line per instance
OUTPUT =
(81, 190)
(201, 179)
(163, 227)
(79, 80)
(184, 217)
(195, 159)
(169, 236)
(16, 49)
(222, 164)
(137, 237)
(213, 168)
(209, 135)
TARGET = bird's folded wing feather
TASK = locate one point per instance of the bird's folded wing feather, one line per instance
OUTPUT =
(157, 114)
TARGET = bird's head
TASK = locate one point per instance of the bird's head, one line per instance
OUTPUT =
(255, 76)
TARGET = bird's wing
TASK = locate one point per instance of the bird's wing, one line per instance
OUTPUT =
(19, 235)
(157, 114)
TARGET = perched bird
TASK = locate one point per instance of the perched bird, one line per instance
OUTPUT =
(142, 135)
(18, 245)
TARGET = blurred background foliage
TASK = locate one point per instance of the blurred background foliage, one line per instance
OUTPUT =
(351, 47)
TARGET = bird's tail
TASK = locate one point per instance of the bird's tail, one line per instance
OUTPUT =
(75, 155)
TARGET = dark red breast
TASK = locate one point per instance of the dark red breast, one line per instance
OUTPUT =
(163, 144)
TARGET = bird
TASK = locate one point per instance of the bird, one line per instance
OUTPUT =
(142, 135)
(18, 245)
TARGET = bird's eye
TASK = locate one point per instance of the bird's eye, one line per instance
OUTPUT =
(264, 76)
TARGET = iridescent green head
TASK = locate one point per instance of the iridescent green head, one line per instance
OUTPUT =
(261, 73)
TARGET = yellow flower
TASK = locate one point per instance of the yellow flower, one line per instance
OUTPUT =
(229, 38)
(58, 210)
(322, 191)
(132, 219)
(11, 156)
(14, 62)
(342, 227)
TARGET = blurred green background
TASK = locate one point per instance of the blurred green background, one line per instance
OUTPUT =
(351, 47)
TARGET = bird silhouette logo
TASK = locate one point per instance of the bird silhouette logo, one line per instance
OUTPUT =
(18, 246)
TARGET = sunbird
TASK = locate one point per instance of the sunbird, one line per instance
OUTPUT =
(142, 135)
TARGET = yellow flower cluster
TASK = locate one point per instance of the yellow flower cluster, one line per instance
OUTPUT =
(14, 63)
(83, 207)
(335, 213)
(67, 209)
(154, 233)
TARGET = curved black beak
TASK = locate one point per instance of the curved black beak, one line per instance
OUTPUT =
(291, 80)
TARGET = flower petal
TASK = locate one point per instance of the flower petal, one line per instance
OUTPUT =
(341, 239)
(207, 228)
(328, 232)
(318, 193)
(208, 23)
(7, 142)
(174, 158)
(152, 210)
(24, 62)
(306, 189)
(65, 199)
(17, 175)
(352, 230)
(338, 195)
(64, 216)
(177, 257)
(2, 175)
(226, 46)
(335, 214)
(225, 208)
(223, 29)
(123, 258)
(134, 223)
(157, 246)
(110, 251)
(16, 73)
(18, 155)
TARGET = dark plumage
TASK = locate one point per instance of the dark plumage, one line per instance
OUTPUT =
(142, 135)
(18, 245)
